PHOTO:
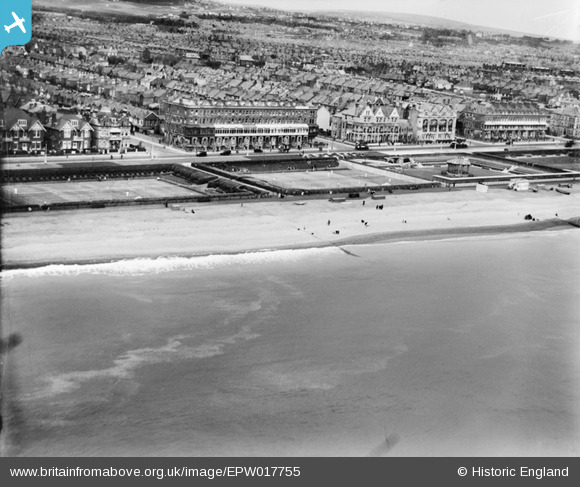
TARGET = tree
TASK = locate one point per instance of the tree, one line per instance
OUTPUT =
(114, 60)
(213, 64)
(146, 55)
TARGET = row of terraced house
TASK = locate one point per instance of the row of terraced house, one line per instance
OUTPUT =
(22, 133)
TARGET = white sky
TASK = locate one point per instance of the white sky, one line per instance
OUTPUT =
(558, 18)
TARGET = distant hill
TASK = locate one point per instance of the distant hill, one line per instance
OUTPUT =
(415, 19)
(400, 18)
(384, 17)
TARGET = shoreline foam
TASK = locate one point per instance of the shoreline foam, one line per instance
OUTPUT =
(261, 255)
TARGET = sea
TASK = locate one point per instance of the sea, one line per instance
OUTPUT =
(458, 347)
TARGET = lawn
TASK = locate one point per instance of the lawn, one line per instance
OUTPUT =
(76, 191)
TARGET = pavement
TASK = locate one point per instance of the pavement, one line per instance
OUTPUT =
(153, 145)
(159, 153)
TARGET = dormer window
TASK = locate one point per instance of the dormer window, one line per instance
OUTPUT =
(22, 123)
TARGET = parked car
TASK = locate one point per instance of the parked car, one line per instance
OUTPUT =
(569, 143)
(226, 152)
(361, 147)
(458, 145)
(257, 149)
(201, 154)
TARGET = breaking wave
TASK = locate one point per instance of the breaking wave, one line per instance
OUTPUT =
(147, 266)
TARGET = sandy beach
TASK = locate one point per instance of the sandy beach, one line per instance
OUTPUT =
(80, 236)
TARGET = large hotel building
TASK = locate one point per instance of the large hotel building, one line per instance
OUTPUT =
(237, 124)
(504, 122)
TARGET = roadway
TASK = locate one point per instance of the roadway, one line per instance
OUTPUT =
(157, 153)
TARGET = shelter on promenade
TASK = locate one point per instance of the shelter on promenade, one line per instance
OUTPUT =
(458, 166)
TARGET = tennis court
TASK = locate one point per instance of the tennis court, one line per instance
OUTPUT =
(77, 191)
(332, 179)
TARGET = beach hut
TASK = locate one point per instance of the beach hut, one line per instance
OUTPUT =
(519, 185)
(458, 166)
